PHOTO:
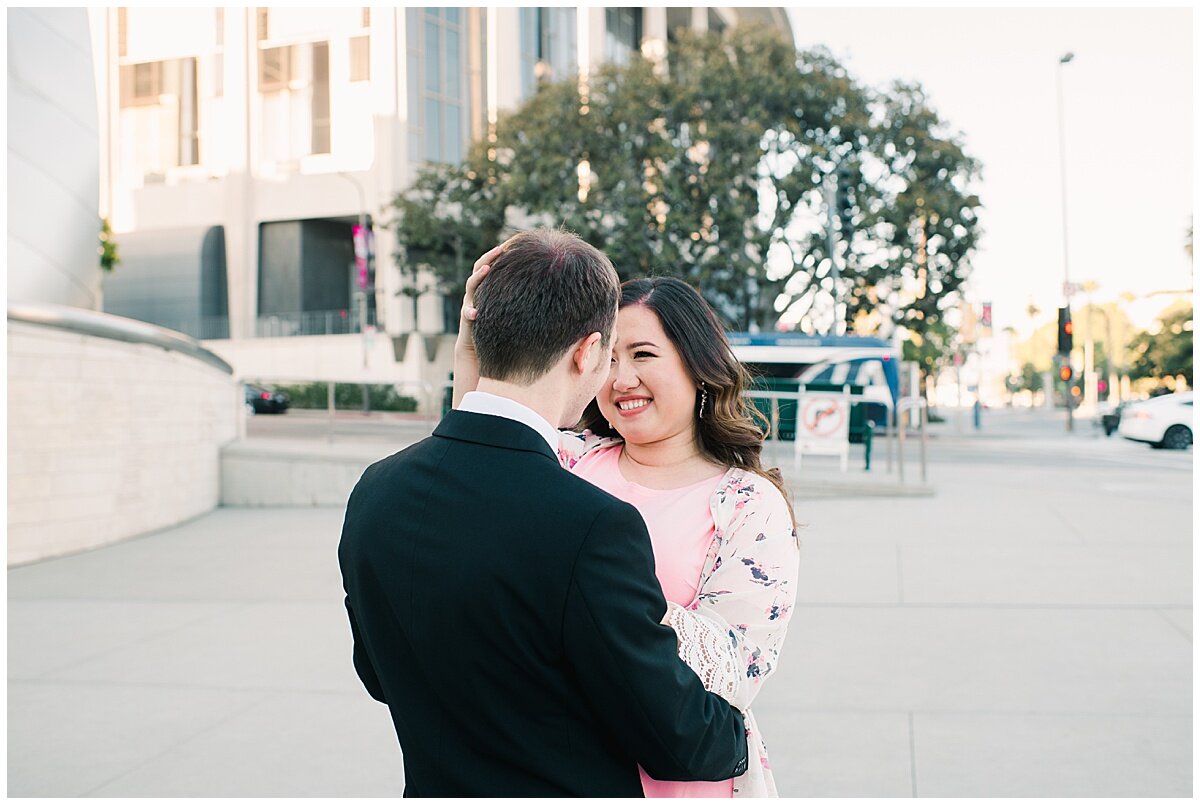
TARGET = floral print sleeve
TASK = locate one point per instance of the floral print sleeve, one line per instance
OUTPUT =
(574, 446)
(735, 627)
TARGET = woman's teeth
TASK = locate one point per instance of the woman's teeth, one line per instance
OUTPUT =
(630, 405)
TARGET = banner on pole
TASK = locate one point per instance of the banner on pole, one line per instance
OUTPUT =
(361, 250)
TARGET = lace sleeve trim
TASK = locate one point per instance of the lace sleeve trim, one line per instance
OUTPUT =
(707, 649)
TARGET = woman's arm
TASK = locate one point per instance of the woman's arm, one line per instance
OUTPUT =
(731, 636)
(466, 365)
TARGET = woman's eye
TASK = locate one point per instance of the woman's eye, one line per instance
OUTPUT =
(643, 354)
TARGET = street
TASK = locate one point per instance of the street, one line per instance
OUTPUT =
(1024, 632)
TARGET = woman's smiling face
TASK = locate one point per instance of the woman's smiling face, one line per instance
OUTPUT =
(649, 395)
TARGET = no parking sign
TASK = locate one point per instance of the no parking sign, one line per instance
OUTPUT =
(823, 425)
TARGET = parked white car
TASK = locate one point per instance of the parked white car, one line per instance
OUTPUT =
(1164, 421)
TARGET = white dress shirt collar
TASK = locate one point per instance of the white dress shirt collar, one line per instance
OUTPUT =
(481, 402)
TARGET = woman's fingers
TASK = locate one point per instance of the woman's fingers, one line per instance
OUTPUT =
(488, 258)
(480, 270)
(469, 293)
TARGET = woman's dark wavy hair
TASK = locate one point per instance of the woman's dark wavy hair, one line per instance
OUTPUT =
(731, 431)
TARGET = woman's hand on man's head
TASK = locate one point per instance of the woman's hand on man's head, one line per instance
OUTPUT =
(482, 266)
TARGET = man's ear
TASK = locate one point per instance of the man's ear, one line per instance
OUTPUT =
(587, 353)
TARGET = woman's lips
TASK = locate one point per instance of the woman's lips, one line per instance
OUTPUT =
(632, 412)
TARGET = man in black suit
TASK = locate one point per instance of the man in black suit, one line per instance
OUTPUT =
(505, 610)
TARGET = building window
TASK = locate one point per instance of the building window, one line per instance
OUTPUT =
(141, 84)
(437, 53)
(716, 23)
(622, 33)
(321, 122)
(274, 69)
(294, 83)
(548, 49)
(160, 116)
(189, 131)
(360, 58)
(122, 32)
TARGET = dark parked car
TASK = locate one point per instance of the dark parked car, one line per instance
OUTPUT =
(261, 400)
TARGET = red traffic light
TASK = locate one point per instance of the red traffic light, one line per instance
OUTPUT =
(1066, 331)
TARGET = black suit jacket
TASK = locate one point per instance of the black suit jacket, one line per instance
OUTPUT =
(508, 614)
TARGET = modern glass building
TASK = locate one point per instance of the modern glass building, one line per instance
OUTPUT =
(242, 146)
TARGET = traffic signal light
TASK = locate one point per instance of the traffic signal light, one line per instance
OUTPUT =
(1065, 373)
(843, 207)
(1066, 341)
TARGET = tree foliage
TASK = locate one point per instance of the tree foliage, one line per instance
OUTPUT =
(1166, 353)
(715, 168)
(109, 255)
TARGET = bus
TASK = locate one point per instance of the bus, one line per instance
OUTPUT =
(787, 361)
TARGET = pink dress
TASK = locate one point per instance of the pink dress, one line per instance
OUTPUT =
(681, 533)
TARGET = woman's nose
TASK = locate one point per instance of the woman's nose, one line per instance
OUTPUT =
(624, 378)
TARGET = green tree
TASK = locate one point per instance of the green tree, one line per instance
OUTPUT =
(449, 216)
(924, 226)
(109, 256)
(930, 348)
(714, 170)
(1031, 378)
(1167, 352)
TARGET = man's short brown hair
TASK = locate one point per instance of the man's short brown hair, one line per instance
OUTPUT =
(546, 291)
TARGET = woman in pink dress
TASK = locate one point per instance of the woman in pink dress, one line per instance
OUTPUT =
(672, 433)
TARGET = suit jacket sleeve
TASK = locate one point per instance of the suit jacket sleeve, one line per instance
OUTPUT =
(362, 663)
(627, 664)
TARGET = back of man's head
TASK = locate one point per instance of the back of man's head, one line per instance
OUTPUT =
(545, 292)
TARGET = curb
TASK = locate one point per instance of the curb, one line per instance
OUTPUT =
(825, 489)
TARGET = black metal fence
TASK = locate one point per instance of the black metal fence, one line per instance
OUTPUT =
(277, 325)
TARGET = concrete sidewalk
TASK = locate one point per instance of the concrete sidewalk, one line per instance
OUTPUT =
(1026, 632)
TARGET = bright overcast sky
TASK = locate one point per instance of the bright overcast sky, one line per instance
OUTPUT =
(1128, 102)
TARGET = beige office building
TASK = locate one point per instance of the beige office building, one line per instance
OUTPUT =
(241, 145)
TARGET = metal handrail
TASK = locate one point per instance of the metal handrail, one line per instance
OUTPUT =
(907, 404)
(776, 396)
(116, 328)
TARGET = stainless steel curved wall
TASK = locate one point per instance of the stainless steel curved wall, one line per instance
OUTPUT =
(53, 158)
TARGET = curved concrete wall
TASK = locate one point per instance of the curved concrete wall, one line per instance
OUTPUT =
(108, 438)
(53, 159)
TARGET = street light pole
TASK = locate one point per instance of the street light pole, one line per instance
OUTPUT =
(1062, 166)
(839, 317)
(361, 294)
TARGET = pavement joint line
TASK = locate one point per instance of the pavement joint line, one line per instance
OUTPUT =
(1071, 527)
(1174, 625)
(226, 601)
(123, 541)
(147, 761)
(904, 711)
(953, 605)
(912, 754)
(109, 683)
(798, 604)
(137, 640)
(899, 576)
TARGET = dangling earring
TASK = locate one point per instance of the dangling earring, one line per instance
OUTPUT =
(703, 399)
